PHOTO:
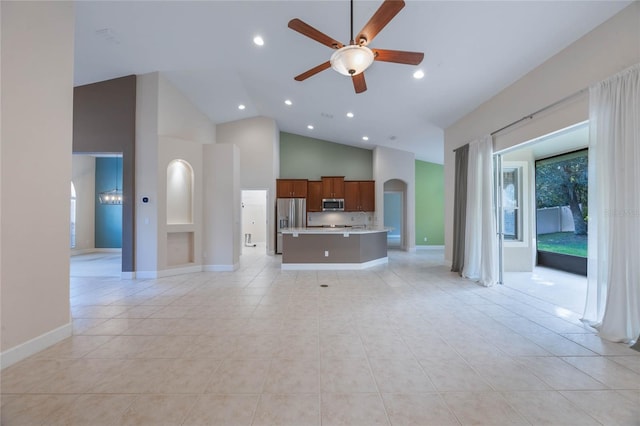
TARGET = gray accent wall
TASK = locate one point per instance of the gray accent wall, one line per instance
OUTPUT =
(104, 121)
(302, 157)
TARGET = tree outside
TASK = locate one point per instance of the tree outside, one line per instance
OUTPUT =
(562, 181)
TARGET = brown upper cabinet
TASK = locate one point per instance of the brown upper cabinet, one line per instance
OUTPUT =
(359, 196)
(314, 196)
(291, 188)
(332, 186)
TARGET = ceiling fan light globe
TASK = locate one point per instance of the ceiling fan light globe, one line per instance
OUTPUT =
(351, 60)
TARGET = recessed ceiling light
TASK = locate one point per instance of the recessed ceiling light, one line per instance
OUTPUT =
(258, 41)
(310, 127)
(365, 138)
(418, 74)
(288, 102)
(350, 114)
(241, 106)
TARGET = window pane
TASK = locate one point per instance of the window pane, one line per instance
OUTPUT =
(510, 195)
(561, 203)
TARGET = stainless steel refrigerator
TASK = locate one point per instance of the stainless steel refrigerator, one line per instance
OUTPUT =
(290, 213)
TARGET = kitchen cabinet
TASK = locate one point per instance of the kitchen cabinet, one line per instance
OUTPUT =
(359, 196)
(332, 186)
(314, 196)
(368, 196)
(291, 188)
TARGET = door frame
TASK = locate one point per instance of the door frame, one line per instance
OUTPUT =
(266, 215)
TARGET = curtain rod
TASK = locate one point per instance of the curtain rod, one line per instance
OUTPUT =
(530, 116)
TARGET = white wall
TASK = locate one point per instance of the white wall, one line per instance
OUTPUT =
(37, 112)
(146, 170)
(608, 49)
(179, 118)
(221, 247)
(168, 127)
(390, 164)
(258, 141)
(172, 149)
(521, 256)
(83, 175)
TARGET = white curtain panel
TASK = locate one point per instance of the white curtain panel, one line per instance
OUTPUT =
(481, 244)
(613, 296)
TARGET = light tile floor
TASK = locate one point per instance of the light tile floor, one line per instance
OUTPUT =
(559, 288)
(408, 343)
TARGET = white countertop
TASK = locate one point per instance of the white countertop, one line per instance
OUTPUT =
(336, 230)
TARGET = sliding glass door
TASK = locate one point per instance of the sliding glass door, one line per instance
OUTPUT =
(561, 211)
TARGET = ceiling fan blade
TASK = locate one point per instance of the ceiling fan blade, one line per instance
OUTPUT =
(358, 82)
(398, 56)
(307, 30)
(313, 71)
(383, 15)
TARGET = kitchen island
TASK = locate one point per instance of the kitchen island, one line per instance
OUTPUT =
(333, 248)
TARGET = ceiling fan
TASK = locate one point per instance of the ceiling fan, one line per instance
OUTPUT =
(353, 59)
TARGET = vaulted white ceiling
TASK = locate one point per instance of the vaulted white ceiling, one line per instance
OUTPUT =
(473, 50)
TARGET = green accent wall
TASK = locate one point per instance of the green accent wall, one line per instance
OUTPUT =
(429, 203)
(302, 157)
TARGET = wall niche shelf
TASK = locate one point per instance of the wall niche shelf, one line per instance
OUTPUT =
(180, 248)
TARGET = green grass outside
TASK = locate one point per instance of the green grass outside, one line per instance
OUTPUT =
(564, 243)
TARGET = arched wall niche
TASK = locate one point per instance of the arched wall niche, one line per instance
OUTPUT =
(179, 192)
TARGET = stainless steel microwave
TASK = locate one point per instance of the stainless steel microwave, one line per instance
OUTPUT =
(333, 204)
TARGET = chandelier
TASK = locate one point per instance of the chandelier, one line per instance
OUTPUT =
(112, 196)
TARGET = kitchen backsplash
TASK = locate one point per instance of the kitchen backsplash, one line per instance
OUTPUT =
(340, 218)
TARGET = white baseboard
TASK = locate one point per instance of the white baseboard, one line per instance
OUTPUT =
(220, 268)
(127, 275)
(35, 345)
(332, 266)
(146, 275)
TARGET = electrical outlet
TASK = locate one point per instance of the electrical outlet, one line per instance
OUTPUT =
(425, 239)
(326, 253)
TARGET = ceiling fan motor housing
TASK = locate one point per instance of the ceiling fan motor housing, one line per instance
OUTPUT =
(352, 60)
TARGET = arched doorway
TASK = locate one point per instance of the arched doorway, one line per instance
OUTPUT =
(395, 213)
